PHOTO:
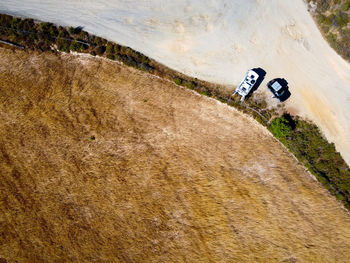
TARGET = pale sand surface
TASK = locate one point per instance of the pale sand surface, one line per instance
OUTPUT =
(218, 41)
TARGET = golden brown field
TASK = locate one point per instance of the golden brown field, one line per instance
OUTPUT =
(170, 177)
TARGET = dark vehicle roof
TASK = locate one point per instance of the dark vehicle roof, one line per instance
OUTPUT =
(279, 87)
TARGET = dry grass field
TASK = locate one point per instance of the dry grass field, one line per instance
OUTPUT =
(171, 176)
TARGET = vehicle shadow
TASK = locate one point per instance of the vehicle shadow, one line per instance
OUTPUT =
(262, 74)
(78, 29)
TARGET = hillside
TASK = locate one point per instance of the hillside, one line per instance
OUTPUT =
(218, 41)
(102, 163)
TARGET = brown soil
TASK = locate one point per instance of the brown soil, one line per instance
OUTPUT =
(170, 177)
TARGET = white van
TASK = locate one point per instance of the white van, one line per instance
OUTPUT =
(247, 84)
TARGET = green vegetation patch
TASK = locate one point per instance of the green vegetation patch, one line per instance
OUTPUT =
(333, 18)
(311, 148)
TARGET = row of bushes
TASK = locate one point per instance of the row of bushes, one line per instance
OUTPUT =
(47, 36)
(340, 19)
(326, 5)
(308, 145)
(302, 138)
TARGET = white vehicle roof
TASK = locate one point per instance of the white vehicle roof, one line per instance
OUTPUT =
(251, 73)
(247, 84)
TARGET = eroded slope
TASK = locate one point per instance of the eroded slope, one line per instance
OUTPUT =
(170, 177)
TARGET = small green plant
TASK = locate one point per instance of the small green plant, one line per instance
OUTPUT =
(342, 19)
(100, 50)
(98, 41)
(144, 59)
(205, 93)
(75, 46)
(178, 81)
(111, 56)
(346, 6)
(71, 30)
(63, 45)
(110, 48)
(92, 138)
(190, 84)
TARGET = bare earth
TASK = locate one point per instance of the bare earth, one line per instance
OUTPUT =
(171, 176)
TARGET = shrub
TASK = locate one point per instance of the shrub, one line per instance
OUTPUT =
(6, 20)
(44, 26)
(130, 61)
(71, 30)
(146, 67)
(190, 84)
(43, 46)
(178, 81)
(280, 127)
(74, 30)
(76, 46)
(346, 6)
(63, 33)
(27, 25)
(110, 48)
(144, 59)
(84, 35)
(116, 48)
(205, 93)
(342, 19)
(100, 50)
(111, 56)
(63, 45)
(98, 41)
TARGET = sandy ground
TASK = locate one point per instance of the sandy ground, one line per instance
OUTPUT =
(218, 41)
(170, 177)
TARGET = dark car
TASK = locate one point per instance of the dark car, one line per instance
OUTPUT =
(279, 88)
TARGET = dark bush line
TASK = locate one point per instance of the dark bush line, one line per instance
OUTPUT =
(302, 138)
(308, 145)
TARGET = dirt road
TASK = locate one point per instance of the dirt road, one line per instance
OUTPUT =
(170, 176)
